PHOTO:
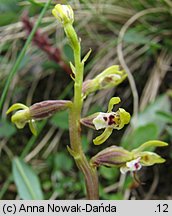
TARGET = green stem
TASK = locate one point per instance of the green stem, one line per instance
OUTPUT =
(90, 174)
(22, 53)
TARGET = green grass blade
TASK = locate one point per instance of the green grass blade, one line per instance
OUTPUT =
(21, 55)
(26, 180)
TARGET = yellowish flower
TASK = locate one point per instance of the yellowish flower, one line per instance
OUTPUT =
(110, 120)
(115, 156)
(109, 78)
(21, 117)
(35, 112)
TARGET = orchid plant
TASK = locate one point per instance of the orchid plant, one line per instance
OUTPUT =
(112, 76)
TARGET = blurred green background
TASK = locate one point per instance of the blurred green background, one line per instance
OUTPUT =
(40, 167)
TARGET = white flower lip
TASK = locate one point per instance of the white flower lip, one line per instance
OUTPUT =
(132, 166)
(102, 120)
(115, 77)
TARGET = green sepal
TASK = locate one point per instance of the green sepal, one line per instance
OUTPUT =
(103, 137)
(112, 102)
(113, 156)
(19, 124)
(124, 118)
(150, 158)
(151, 143)
(16, 106)
(32, 127)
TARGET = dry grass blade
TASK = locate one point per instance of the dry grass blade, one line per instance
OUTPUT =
(156, 78)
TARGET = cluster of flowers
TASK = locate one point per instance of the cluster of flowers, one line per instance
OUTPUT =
(110, 120)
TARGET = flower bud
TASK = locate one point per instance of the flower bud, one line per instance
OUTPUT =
(63, 13)
(124, 118)
(109, 78)
(47, 108)
(112, 156)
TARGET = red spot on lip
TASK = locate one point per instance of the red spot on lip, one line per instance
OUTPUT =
(105, 118)
(111, 120)
(136, 165)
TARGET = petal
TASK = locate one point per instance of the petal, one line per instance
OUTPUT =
(108, 72)
(113, 156)
(21, 117)
(103, 120)
(114, 69)
(134, 165)
(150, 158)
(45, 109)
(19, 124)
(109, 78)
(112, 102)
(124, 169)
(68, 11)
(88, 121)
(124, 118)
(151, 143)
(16, 106)
(32, 127)
(103, 137)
